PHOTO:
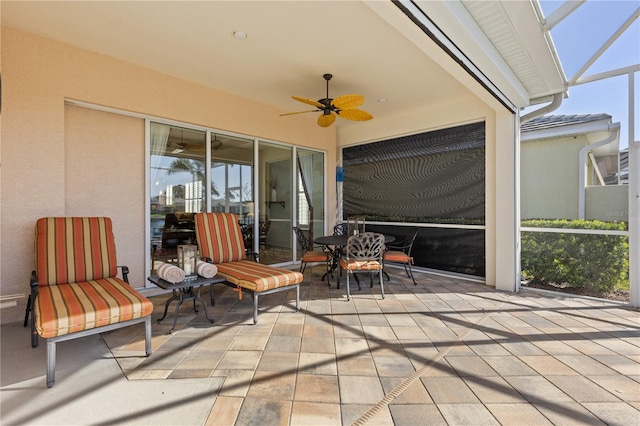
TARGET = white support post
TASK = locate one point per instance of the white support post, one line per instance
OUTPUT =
(634, 202)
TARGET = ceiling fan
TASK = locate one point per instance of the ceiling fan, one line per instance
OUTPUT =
(198, 148)
(342, 106)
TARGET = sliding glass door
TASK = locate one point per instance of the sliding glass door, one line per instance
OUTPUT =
(200, 170)
(275, 210)
(177, 171)
(232, 181)
(310, 192)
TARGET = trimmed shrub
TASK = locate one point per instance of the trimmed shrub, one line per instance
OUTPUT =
(592, 263)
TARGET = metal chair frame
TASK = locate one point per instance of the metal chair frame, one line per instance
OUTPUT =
(367, 247)
(304, 246)
(405, 247)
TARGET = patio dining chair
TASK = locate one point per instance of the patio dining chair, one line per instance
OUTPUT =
(263, 230)
(309, 255)
(401, 253)
(363, 254)
(340, 229)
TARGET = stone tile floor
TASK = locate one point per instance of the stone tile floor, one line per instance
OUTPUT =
(447, 351)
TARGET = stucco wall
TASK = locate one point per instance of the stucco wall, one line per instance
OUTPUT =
(43, 142)
(549, 178)
(607, 203)
(110, 183)
(55, 158)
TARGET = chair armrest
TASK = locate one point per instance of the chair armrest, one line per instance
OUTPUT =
(401, 246)
(125, 273)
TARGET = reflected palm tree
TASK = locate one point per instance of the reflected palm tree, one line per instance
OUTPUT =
(195, 167)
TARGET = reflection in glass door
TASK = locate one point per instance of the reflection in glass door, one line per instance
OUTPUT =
(177, 166)
(275, 211)
(232, 181)
(188, 176)
(310, 192)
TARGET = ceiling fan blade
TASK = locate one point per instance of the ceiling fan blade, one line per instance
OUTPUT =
(326, 120)
(299, 112)
(308, 101)
(355, 115)
(348, 101)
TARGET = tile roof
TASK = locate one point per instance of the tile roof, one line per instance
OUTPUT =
(551, 121)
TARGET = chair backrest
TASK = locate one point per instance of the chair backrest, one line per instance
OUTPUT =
(411, 240)
(74, 249)
(365, 246)
(303, 241)
(264, 226)
(340, 229)
(219, 237)
(347, 228)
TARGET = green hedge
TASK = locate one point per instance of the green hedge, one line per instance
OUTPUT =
(593, 263)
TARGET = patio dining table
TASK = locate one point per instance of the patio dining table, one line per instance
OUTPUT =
(335, 244)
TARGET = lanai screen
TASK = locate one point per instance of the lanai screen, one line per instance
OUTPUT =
(435, 177)
(432, 177)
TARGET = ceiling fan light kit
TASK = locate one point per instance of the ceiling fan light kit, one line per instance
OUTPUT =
(343, 106)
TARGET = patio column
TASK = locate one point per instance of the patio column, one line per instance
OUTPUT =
(504, 259)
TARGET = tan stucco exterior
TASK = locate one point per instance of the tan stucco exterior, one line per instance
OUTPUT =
(61, 159)
(549, 185)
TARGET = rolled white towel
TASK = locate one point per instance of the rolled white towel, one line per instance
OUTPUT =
(171, 273)
(206, 269)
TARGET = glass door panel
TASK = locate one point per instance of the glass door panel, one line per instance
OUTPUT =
(310, 192)
(177, 189)
(232, 181)
(275, 211)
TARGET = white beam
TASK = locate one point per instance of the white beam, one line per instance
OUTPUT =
(607, 74)
(634, 201)
(560, 13)
(606, 45)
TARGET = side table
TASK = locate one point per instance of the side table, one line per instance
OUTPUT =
(184, 290)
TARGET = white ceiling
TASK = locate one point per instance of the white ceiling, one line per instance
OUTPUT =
(290, 45)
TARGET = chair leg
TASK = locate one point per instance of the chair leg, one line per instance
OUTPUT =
(381, 283)
(51, 363)
(34, 334)
(255, 307)
(348, 290)
(26, 313)
(411, 275)
(147, 335)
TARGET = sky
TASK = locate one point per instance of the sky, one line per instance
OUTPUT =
(577, 38)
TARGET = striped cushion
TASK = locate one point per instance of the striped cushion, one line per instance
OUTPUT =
(360, 265)
(397, 256)
(64, 309)
(316, 256)
(219, 237)
(257, 277)
(73, 249)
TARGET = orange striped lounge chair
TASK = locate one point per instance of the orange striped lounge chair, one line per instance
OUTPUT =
(220, 242)
(74, 289)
